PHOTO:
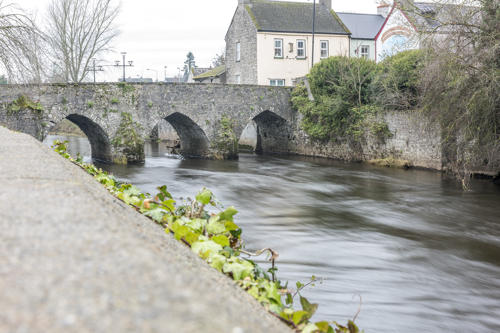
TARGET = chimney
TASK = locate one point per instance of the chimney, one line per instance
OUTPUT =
(326, 3)
(383, 9)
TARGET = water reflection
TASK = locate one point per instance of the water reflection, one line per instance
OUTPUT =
(423, 255)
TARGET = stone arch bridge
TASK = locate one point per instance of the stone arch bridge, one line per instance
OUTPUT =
(117, 117)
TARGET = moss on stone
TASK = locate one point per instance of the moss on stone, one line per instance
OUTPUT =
(24, 103)
(126, 88)
(391, 162)
(127, 141)
(225, 145)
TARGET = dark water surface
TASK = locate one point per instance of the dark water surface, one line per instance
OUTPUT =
(423, 255)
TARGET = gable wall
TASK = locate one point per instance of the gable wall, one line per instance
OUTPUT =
(242, 30)
(397, 35)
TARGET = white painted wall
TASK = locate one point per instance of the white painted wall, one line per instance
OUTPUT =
(290, 68)
(356, 45)
(397, 35)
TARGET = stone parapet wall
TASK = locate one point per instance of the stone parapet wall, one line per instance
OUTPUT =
(196, 112)
(414, 139)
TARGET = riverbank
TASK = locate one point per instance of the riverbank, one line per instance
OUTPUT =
(74, 258)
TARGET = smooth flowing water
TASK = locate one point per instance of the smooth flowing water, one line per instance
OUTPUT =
(423, 255)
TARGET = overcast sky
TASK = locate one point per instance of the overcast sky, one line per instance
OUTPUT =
(159, 33)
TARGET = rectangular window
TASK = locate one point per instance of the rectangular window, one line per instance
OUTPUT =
(365, 51)
(278, 48)
(324, 49)
(301, 48)
(277, 82)
(238, 51)
(237, 78)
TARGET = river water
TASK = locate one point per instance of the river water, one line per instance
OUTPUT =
(423, 255)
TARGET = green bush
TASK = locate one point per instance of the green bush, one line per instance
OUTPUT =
(397, 81)
(341, 89)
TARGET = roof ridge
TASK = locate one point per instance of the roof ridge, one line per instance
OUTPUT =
(287, 2)
(359, 13)
(287, 16)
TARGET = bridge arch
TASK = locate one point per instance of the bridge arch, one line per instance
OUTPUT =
(99, 140)
(193, 140)
(267, 133)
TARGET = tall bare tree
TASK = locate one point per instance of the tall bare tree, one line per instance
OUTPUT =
(78, 30)
(19, 45)
(461, 78)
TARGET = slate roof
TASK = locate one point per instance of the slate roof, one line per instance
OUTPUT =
(428, 16)
(214, 72)
(294, 17)
(362, 26)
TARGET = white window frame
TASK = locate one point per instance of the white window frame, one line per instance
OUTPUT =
(238, 78)
(277, 82)
(238, 51)
(364, 54)
(325, 50)
(278, 48)
(303, 49)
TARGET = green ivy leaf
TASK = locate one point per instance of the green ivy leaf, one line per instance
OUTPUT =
(205, 248)
(310, 328)
(228, 214)
(221, 240)
(170, 204)
(231, 226)
(191, 237)
(308, 307)
(215, 227)
(164, 194)
(254, 291)
(132, 191)
(299, 316)
(204, 197)
(272, 292)
(324, 326)
(181, 231)
(352, 327)
(156, 214)
(217, 261)
(240, 268)
(197, 224)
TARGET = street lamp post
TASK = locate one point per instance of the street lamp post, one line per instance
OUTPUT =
(179, 76)
(95, 68)
(314, 28)
(124, 64)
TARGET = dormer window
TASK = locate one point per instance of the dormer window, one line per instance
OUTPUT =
(301, 48)
(278, 48)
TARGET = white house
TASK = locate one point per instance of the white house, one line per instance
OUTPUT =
(364, 29)
(270, 42)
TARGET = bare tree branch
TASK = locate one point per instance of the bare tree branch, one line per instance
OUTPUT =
(20, 45)
(79, 30)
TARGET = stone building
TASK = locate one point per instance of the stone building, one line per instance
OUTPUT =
(270, 42)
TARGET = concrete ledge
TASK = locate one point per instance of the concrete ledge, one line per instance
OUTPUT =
(75, 259)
